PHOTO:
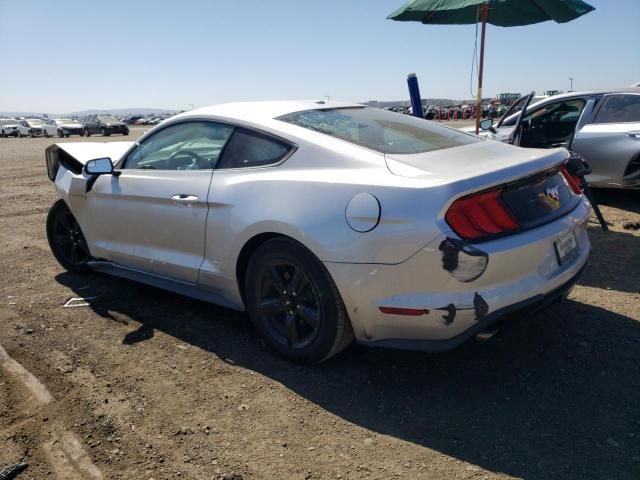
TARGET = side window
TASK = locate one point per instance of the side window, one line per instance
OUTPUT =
(619, 109)
(184, 146)
(252, 149)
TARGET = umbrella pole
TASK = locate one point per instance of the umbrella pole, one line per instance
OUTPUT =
(484, 12)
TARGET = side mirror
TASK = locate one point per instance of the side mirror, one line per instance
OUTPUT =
(486, 124)
(99, 166)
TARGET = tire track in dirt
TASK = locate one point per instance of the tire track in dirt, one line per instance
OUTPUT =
(64, 452)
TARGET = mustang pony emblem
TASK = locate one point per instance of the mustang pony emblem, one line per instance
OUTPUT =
(550, 197)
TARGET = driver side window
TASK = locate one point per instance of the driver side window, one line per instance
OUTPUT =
(184, 146)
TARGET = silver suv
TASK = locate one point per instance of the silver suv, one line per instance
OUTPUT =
(8, 127)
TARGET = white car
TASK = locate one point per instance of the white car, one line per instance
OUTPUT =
(326, 221)
(8, 127)
(30, 127)
(63, 127)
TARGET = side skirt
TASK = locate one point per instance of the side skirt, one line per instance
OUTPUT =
(176, 286)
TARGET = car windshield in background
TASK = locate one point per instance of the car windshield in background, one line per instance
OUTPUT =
(108, 119)
(32, 121)
(379, 130)
(64, 120)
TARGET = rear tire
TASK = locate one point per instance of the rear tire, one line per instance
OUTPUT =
(294, 304)
(66, 239)
(103, 132)
(60, 134)
(87, 133)
(4, 134)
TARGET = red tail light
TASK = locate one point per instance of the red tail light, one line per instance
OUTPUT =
(481, 215)
(573, 181)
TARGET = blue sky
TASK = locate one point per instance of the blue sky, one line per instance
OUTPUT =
(60, 56)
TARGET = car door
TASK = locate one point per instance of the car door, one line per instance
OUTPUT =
(152, 215)
(611, 141)
(552, 124)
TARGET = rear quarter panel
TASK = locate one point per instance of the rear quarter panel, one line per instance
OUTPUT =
(608, 148)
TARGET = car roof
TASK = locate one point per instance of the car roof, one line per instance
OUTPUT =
(263, 110)
(570, 95)
(587, 93)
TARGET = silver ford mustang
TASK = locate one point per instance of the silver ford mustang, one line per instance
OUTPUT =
(326, 221)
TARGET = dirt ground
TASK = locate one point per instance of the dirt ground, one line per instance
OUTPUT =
(156, 386)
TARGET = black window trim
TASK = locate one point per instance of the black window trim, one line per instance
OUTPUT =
(602, 101)
(293, 147)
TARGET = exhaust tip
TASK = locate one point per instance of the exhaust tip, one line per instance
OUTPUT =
(486, 334)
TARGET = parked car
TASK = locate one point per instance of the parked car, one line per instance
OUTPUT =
(601, 126)
(105, 125)
(30, 127)
(325, 221)
(63, 127)
(8, 127)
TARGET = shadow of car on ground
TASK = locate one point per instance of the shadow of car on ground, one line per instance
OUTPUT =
(552, 397)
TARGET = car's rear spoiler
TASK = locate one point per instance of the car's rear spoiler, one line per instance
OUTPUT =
(73, 156)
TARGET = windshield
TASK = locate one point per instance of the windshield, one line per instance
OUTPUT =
(380, 130)
(64, 120)
(34, 121)
(108, 119)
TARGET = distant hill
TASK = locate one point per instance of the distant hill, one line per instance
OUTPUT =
(112, 111)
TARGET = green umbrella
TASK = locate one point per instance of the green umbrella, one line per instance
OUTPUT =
(503, 13)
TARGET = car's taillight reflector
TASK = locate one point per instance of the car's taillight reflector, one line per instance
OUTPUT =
(573, 181)
(481, 215)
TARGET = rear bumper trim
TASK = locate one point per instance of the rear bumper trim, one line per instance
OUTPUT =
(527, 308)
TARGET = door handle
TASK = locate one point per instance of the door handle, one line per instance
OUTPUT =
(184, 198)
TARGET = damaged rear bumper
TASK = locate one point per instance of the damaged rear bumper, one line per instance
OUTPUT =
(451, 290)
(520, 311)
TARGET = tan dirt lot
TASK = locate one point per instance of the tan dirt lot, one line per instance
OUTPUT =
(157, 386)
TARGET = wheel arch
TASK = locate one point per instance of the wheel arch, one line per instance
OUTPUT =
(247, 251)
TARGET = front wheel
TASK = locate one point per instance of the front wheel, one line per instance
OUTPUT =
(60, 133)
(104, 133)
(66, 239)
(87, 133)
(45, 133)
(294, 304)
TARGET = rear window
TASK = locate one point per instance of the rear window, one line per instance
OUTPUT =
(380, 130)
(619, 109)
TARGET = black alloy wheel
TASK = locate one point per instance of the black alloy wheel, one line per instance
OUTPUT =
(66, 239)
(289, 303)
(294, 303)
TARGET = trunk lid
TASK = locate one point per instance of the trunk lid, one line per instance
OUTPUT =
(484, 163)
(527, 183)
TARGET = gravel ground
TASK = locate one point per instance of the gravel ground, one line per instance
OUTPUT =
(156, 386)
